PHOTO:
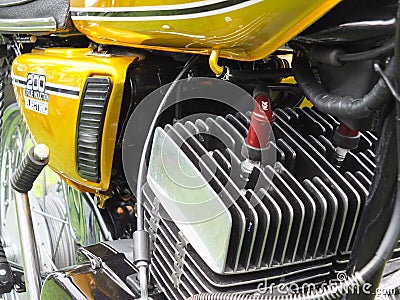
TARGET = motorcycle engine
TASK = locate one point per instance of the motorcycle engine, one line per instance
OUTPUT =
(293, 221)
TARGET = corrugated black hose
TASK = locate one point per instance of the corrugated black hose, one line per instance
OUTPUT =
(342, 106)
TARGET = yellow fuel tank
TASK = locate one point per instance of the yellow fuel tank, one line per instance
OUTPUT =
(71, 100)
(242, 29)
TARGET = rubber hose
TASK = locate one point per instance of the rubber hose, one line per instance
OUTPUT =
(343, 107)
(366, 55)
(260, 74)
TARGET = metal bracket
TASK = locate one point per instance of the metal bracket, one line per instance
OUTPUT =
(28, 25)
(154, 223)
(179, 255)
(95, 261)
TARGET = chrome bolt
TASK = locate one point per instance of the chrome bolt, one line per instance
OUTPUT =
(41, 152)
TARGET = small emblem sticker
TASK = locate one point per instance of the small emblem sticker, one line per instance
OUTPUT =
(36, 87)
(36, 98)
(37, 106)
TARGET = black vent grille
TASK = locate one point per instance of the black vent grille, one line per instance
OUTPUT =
(310, 210)
(90, 127)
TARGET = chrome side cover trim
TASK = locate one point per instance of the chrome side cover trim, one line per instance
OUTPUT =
(28, 25)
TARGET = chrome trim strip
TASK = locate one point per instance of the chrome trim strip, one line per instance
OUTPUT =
(13, 3)
(28, 25)
(148, 8)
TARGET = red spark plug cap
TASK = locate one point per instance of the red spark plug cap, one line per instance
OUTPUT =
(261, 120)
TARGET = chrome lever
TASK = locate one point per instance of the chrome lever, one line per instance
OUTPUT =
(22, 181)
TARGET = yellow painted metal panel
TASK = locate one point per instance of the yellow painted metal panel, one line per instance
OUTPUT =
(55, 126)
(243, 30)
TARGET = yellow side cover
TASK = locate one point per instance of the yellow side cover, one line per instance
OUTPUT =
(48, 85)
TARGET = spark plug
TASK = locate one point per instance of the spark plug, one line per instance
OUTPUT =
(344, 140)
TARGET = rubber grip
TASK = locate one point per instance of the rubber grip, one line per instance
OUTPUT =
(27, 172)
